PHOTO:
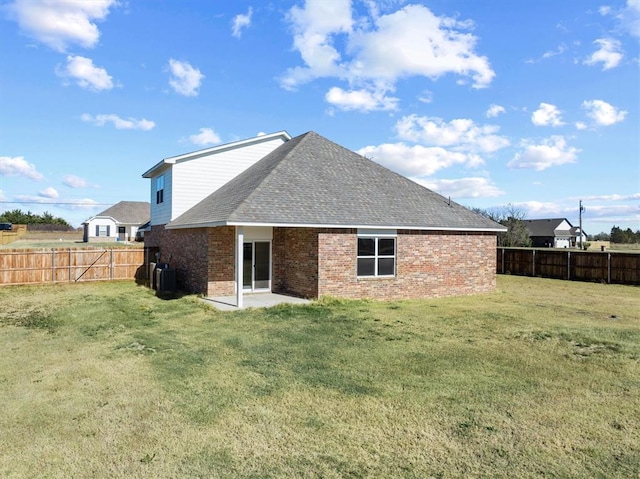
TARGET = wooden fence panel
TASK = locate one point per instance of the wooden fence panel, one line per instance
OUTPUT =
(551, 264)
(620, 268)
(70, 265)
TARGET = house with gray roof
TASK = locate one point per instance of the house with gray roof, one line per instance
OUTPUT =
(119, 222)
(551, 232)
(312, 218)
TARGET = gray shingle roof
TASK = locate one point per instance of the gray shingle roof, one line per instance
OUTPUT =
(310, 180)
(128, 212)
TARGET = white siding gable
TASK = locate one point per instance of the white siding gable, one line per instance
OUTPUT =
(190, 178)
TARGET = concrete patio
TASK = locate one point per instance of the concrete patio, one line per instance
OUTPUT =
(253, 300)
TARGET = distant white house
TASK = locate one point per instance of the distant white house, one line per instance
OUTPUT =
(180, 182)
(553, 233)
(119, 222)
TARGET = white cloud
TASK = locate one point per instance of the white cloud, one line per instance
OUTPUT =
(608, 53)
(206, 137)
(417, 160)
(119, 123)
(495, 110)
(630, 17)
(18, 166)
(49, 192)
(603, 113)
(547, 115)
(186, 79)
(240, 22)
(65, 204)
(581, 125)
(613, 197)
(474, 187)
(553, 151)
(73, 181)
(59, 24)
(463, 134)
(363, 100)
(86, 74)
(373, 53)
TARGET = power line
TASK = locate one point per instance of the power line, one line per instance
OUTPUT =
(54, 203)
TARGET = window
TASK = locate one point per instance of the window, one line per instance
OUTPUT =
(159, 189)
(376, 256)
(102, 230)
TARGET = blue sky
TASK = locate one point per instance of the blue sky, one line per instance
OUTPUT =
(529, 103)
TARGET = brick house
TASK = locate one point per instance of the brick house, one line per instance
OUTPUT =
(313, 219)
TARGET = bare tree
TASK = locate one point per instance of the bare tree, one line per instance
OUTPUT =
(513, 218)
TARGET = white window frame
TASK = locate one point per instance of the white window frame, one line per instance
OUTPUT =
(160, 189)
(377, 235)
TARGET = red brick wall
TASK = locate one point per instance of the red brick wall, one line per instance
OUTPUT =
(313, 262)
(203, 257)
(295, 261)
(221, 265)
(186, 251)
(428, 264)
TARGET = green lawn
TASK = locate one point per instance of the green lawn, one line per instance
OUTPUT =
(539, 379)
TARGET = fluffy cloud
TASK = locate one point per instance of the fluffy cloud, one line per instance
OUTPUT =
(547, 115)
(495, 110)
(603, 113)
(73, 181)
(614, 197)
(608, 53)
(59, 24)
(206, 137)
(462, 134)
(119, 123)
(363, 100)
(186, 79)
(475, 187)
(553, 151)
(630, 17)
(86, 74)
(380, 49)
(18, 166)
(50, 193)
(416, 161)
(240, 22)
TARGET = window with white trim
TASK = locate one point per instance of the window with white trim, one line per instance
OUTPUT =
(159, 189)
(376, 255)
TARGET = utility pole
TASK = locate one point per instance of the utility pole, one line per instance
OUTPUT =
(581, 208)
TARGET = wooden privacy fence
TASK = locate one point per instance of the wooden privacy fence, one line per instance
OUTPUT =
(619, 268)
(70, 265)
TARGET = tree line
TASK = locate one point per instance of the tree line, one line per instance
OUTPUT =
(618, 235)
(20, 218)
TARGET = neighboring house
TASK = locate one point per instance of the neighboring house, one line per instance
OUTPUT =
(314, 219)
(576, 235)
(551, 233)
(119, 222)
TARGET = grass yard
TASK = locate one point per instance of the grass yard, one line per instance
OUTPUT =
(539, 379)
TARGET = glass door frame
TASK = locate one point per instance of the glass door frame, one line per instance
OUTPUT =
(251, 286)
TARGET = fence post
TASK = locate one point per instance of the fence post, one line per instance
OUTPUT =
(568, 264)
(70, 265)
(533, 271)
(502, 260)
(111, 264)
(608, 268)
(53, 265)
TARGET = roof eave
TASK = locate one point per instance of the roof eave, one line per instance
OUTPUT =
(325, 225)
